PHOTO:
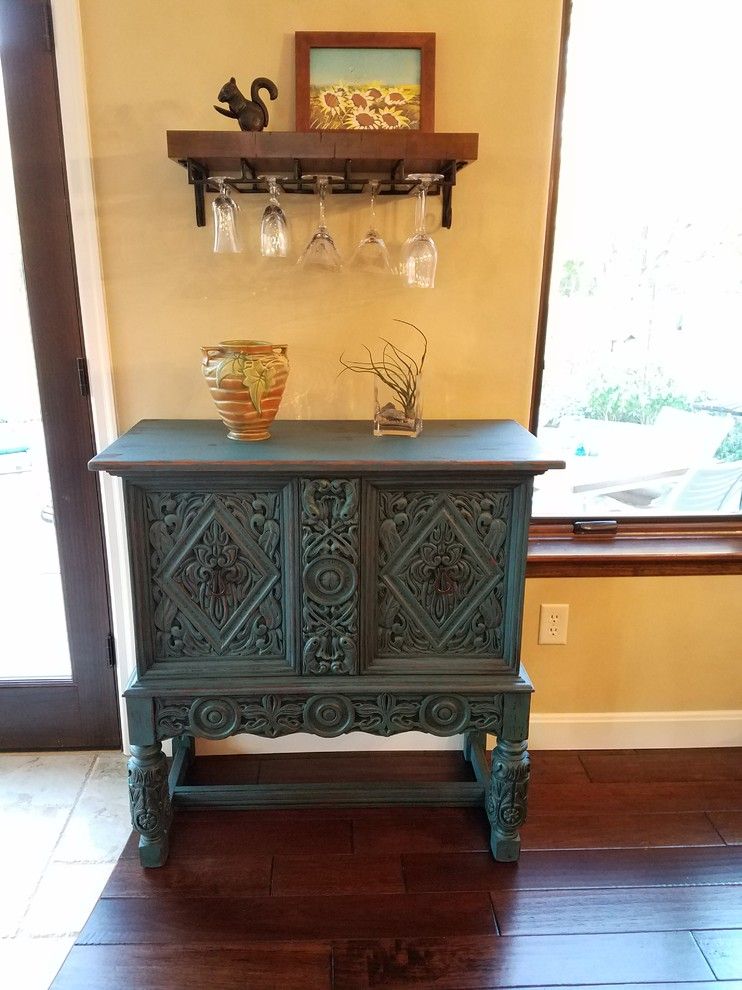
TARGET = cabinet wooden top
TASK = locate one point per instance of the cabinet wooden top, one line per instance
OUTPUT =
(201, 446)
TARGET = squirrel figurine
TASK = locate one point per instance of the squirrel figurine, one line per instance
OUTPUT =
(252, 114)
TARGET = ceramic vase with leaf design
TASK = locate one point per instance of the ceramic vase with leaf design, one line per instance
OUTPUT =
(246, 379)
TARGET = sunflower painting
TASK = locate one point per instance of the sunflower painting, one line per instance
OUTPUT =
(364, 88)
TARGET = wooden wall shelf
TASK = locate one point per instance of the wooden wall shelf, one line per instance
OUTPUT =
(357, 156)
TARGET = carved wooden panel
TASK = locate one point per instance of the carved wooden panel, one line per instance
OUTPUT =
(441, 559)
(217, 574)
(383, 714)
(329, 562)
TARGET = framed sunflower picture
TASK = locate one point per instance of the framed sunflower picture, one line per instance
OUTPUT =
(365, 82)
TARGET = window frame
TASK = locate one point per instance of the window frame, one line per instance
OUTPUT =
(640, 545)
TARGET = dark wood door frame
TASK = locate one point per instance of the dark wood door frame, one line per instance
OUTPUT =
(82, 712)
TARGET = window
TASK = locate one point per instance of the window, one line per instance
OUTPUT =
(641, 320)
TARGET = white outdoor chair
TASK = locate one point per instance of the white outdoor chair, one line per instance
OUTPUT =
(679, 438)
(691, 435)
(705, 489)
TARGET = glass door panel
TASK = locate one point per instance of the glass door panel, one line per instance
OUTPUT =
(30, 583)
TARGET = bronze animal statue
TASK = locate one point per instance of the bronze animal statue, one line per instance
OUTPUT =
(252, 114)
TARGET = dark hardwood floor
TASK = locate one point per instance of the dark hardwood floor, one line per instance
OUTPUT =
(631, 875)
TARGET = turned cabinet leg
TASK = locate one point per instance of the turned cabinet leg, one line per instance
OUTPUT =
(149, 799)
(507, 792)
(507, 797)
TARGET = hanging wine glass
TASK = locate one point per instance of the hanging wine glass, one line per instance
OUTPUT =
(371, 255)
(274, 235)
(226, 234)
(321, 254)
(419, 253)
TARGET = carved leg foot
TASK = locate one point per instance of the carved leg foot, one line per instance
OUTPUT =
(507, 797)
(149, 800)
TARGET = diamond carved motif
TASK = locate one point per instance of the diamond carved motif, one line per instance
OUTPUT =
(441, 572)
(216, 573)
(442, 576)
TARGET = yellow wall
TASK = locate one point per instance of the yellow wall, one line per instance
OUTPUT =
(153, 66)
(638, 644)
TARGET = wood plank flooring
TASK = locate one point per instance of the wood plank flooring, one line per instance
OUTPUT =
(631, 875)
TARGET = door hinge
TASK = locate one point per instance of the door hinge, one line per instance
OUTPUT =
(48, 27)
(82, 376)
(111, 650)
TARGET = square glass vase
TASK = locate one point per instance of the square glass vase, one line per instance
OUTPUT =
(395, 416)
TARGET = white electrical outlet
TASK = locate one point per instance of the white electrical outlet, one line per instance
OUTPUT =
(552, 627)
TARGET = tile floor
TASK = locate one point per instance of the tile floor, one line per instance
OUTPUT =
(64, 819)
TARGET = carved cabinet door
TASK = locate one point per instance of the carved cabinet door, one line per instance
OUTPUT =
(217, 579)
(444, 577)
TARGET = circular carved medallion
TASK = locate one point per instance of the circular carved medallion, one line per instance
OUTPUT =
(330, 580)
(444, 714)
(328, 715)
(146, 821)
(214, 718)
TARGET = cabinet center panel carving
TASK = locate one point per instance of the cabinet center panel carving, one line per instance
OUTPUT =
(441, 563)
(216, 565)
(329, 564)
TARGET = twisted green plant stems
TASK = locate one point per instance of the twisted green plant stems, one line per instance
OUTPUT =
(397, 369)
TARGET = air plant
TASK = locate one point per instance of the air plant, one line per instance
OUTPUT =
(397, 369)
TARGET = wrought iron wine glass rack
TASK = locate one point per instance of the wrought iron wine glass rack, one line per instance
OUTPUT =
(388, 157)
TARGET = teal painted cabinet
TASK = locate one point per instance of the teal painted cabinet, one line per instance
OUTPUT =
(327, 582)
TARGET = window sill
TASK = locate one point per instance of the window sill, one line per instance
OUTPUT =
(638, 549)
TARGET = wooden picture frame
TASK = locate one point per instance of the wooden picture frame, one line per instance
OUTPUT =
(400, 104)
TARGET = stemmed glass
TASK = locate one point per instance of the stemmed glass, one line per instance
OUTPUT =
(371, 254)
(274, 235)
(226, 235)
(419, 253)
(321, 254)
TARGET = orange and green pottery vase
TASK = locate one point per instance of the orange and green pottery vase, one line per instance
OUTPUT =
(246, 379)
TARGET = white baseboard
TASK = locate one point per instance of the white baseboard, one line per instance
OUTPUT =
(559, 730)
(635, 730)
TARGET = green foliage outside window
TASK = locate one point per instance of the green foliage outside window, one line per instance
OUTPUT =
(731, 445)
(640, 396)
